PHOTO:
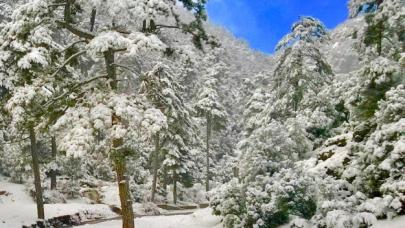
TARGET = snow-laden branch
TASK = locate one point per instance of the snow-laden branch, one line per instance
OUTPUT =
(127, 68)
(77, 31)
(74, 87)
(72, 45)
(66, 62)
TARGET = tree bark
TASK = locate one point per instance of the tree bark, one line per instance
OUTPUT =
(93, 19)
(155, 166)
(68, 11)
(37, 177)
(207, 183)
(109, 59)
(53, 171)
(174, 187)
(165, 178)
(125, 197)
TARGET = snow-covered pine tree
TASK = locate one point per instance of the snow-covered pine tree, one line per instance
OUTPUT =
(208, 106)
(160, 86)
(114, 37)
(29, 55)
(380, 55)
(302, 71)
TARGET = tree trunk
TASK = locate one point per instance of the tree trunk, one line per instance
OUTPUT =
(68, 11)
(109, 59)
(207, 183)
(165, 178)
(93, 19)
(53, 171)
(123, 186)
(380, 27)
(37, 177)
(155, 166)
(174, 187)
(125, 197)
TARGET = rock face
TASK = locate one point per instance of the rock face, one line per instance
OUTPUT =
(363, 130)
(65, 220)
(4, 193)
(92, 194)
(150, 209)
(116, 209)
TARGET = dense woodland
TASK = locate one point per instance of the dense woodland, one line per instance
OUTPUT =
(150, 95)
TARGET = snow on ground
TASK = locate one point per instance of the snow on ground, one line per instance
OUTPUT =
(19, 209)
(200, 219)
(398, 222)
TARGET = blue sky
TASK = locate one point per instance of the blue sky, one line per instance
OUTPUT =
(262, 23)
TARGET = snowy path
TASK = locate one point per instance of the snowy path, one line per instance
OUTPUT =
(398, 222)
(200, 219)
(18, 209)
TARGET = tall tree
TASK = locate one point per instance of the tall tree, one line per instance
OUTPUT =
(301, 78)
(160, 86)
(29, 55)
(209, 107)
(380, 48)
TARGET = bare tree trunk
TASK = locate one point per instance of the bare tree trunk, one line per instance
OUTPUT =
(37, 177)
(109, 59)
(123, 186)
(155, 166)
(174, 187)
(125, 197)
(68, 11)
(93, 19)
(165, 178)
(207, 183)
(53, 171)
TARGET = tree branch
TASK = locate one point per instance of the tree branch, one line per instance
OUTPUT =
(126, 68)
(66, 62)
(12, 142)
(77, 31)
(168, 26)
(75, 87)
(73, 44)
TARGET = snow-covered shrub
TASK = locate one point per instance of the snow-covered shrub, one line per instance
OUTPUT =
(13, 164)
(268, 201)
(53, 196)
(195, 194)
(149, 208)
(228, 202)
(103, 171)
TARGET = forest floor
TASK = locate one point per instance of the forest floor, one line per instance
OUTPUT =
(201, 218)
(17, 208)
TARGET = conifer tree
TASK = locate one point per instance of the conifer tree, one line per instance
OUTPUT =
(209, 107)
(177, 141)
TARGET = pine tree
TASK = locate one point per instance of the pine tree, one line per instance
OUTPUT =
(378, 48)
(208, 105)
(29, 55)
(177, 141)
